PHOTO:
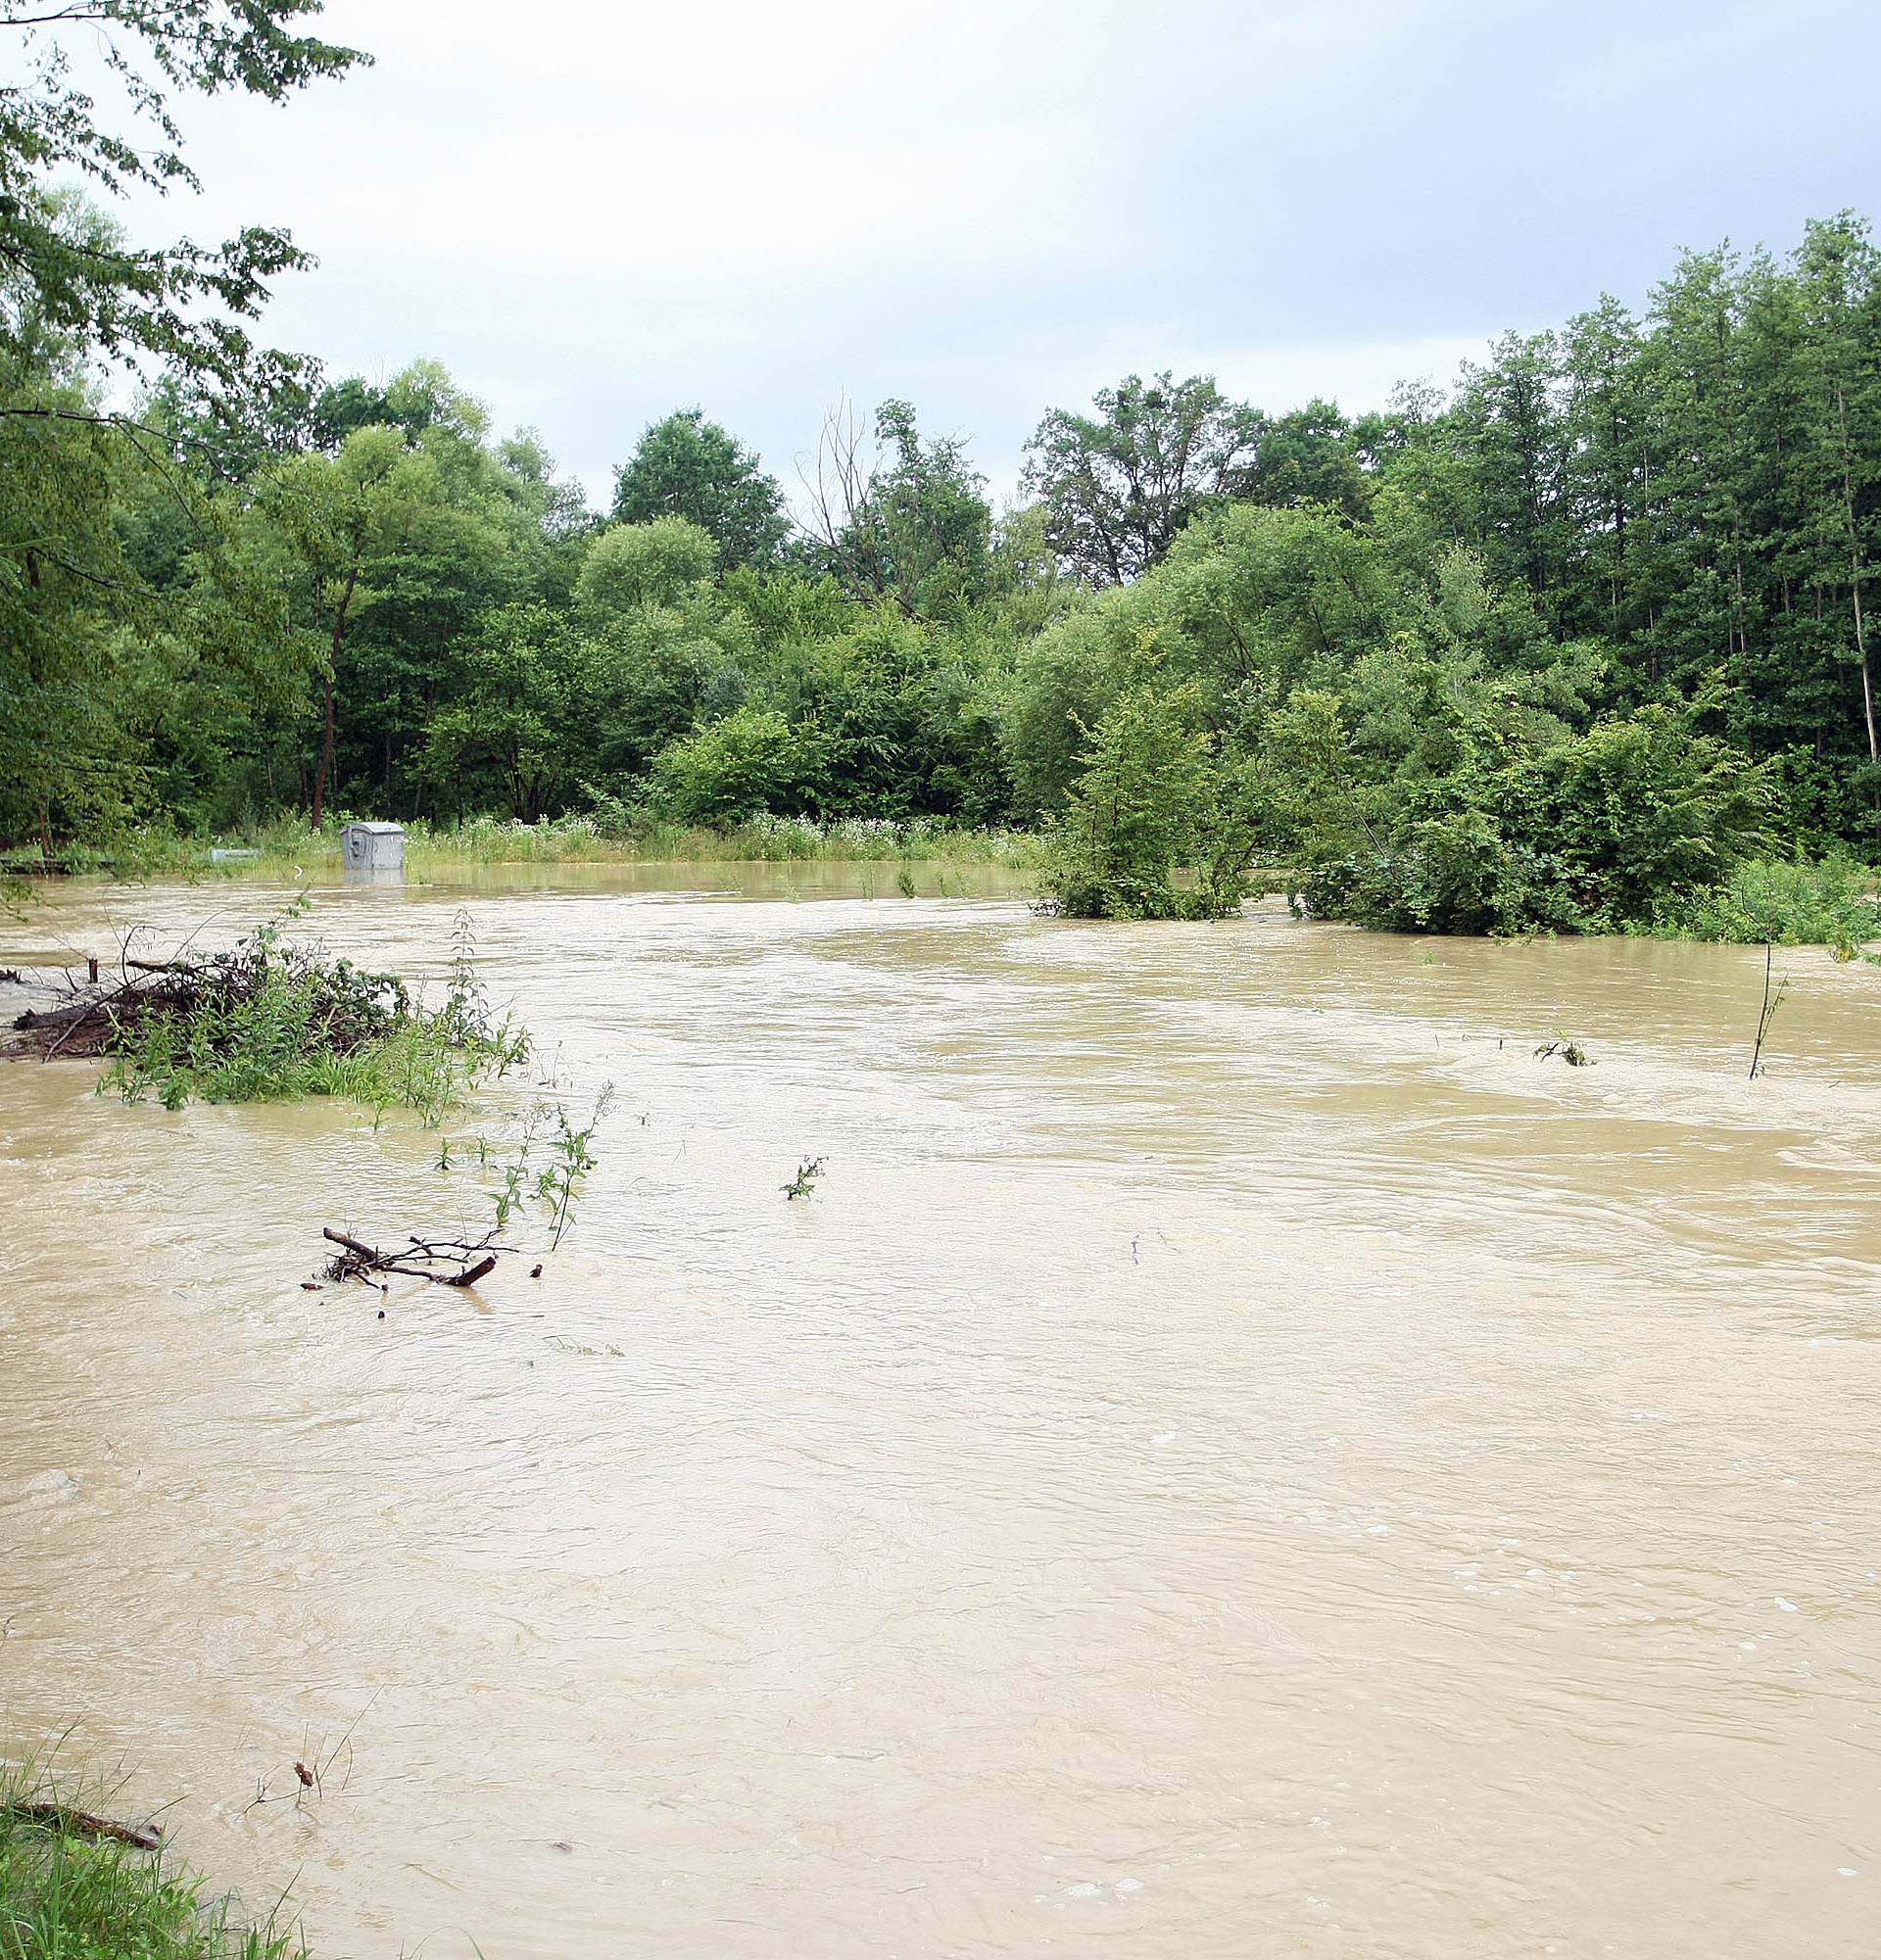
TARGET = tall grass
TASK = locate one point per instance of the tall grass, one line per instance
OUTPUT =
(287, 842)
(65, 1896)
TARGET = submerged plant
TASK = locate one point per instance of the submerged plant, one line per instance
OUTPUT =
(1767, 1013)
(550, 1162)
(1571, 1052)
(274, 1018)
(804, 1183)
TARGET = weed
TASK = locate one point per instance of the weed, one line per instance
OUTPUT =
(551, 1162)
(1571, 1052)
(804, 1183)
(274, 1018)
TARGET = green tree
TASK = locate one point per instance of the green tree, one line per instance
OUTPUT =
(525, 706)
(181, 305)
(685, 466)
(330, 519)
(1120, 486)
(751, 762)
(911, 524)
(1151, 800)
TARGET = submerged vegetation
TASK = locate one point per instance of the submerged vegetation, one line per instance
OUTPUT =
(274, 1017)
(1831, 903)
(74, 1886)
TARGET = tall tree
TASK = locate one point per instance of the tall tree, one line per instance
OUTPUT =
(1118, 487)
(181, 305)
(1840, 278)
(909, 523)
(685, 466)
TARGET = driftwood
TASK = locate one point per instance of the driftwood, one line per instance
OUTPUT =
(95, 1010)
(82, 1824)
(349, 1008)
(444, 1262)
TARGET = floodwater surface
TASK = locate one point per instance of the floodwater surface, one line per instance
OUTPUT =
(1235, 1456)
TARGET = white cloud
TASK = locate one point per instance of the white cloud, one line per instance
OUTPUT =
(593, 213)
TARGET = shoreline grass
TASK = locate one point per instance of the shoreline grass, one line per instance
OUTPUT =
(67, 1893)
(157, 852)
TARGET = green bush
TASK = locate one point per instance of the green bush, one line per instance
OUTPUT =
(1583, 833)
(1152, 801)
(751, 762)
(271, 1020)
(1763, 899)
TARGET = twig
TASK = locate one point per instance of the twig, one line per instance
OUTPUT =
(1767, 1012)
(362, 1260)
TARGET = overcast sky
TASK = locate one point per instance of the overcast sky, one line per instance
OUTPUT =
(594, 212)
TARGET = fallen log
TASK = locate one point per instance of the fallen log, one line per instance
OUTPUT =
(82, 1824)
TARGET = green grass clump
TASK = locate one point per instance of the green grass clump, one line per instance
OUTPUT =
(65, 1896)
(1830, 903)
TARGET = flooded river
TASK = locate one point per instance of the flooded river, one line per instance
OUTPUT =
(1235, 1457)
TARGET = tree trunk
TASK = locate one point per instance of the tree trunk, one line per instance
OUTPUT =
(1855, 573)
(325, 770)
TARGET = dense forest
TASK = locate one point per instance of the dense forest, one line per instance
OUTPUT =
(1549, 648)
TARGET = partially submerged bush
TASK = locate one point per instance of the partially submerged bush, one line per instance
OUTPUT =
(271, 1018)
(1153, 801)
(1520, 832)
(1765, 900)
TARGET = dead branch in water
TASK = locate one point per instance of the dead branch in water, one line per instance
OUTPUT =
(82, 1824)
(464, 1262)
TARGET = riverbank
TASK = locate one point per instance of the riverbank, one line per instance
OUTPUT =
(1833, 902)
(163, 853)
(78, 1885)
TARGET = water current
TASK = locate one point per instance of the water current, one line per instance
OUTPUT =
(1236, 1456)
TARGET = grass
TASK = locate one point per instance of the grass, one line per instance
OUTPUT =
(287, 842)
(1768, 901)
(63, 1897)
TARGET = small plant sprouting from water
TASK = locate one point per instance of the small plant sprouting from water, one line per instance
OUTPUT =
(904, 881)
(551, 1162)
(804, 1183)
(1767, 1013)
(1571, 1052)
(570, 1159)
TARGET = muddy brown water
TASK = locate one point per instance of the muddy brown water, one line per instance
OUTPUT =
(1237, 1456)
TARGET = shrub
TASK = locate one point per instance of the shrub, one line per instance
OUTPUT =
(1763, 899)
(1152, 799)
(272, 1019)
(751, 762)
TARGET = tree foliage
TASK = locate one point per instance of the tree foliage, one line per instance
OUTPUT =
(1572, 647)
(685, 466)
